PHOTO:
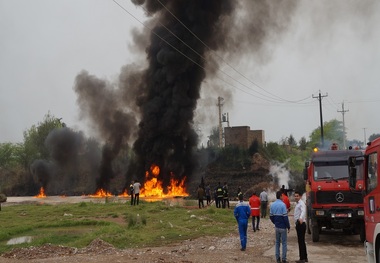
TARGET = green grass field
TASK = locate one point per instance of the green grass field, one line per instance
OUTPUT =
(146, 225)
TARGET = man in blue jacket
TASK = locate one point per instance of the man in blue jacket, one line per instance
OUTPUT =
(279, 217)
(242, 212)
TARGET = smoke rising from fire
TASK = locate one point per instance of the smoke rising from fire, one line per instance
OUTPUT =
(148, 113)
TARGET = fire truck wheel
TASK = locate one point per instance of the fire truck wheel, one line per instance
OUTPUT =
(315, 233)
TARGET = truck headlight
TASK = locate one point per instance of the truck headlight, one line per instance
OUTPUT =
(361, 212)
(320, 213)
(349, 215)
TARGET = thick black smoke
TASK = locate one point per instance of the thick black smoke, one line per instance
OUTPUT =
(171, 84)
(107, 109)
(153, 108)
(73, 164)
(181, 50)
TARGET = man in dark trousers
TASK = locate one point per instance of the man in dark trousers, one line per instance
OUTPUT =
(131, 192)
(200, 194)
(300, 218)
(264, 203)
(219, 195)
(242, 212)
(226, 202)
(278, 214)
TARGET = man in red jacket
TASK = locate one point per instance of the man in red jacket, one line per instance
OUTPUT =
(285, 199)
(254, 203)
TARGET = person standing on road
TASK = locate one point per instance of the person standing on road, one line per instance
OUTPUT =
(136, 191)
(279, 216)
(239, 193)
(254, 203)
(285, 199)
(242, 212)
(264, 203)
(131, 191)
(219, 196)
(201, 194)
(226, 202)
(300, 218)
(208, 194)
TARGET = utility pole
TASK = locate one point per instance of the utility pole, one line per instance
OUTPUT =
(319, 97)
(220, 104)
(344, 126)
(365, 138)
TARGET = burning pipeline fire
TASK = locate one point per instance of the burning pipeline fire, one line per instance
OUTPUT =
(41, 193)
(153, 187)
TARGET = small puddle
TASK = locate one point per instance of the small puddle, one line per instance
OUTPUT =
(19, 240)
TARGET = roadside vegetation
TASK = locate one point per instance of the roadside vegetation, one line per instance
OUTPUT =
(149, 224)
(27, 165)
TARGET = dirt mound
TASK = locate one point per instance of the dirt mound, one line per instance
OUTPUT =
(96, 247)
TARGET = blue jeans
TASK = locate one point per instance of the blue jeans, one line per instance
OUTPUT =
(243, 227)
(281, 238)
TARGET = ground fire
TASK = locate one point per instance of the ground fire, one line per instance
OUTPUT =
(153, 187)
(41, 193)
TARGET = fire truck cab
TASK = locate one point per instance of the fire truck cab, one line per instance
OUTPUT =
(330, 203)
(371, 194)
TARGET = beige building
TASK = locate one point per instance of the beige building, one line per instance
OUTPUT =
(243, 136)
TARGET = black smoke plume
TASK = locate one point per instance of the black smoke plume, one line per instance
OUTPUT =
(147, 117)
(107, 109)
(171, 84)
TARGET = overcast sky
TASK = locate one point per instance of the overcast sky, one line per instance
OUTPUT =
(329, 46)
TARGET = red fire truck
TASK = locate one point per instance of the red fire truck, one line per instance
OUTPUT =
(371, 193)
(330, 203)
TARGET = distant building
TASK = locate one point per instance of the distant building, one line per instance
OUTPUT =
(243, 136)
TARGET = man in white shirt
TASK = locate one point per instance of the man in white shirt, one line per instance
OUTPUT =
(264, 203)
(300, 221)
(136, 191)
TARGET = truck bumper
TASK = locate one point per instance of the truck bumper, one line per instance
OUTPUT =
(338, 218)
(369, 251)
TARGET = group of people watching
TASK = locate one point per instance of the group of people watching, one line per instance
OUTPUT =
(220, 193)
(279, 217)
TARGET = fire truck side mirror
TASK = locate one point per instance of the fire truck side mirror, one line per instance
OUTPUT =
(305, 170)
(352, 171)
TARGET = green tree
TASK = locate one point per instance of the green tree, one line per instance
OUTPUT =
(332, 132)
(302, 144)
(273, 151)
(34, 139)
(11, 155)
(292, 141)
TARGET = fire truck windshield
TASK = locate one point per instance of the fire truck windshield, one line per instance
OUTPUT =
(335, 171)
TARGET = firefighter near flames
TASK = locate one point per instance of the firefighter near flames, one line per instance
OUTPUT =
(330, 203)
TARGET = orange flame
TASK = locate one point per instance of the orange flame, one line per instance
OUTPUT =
(101, 193)
(123, 194)
(41, 194)
(153, 187)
